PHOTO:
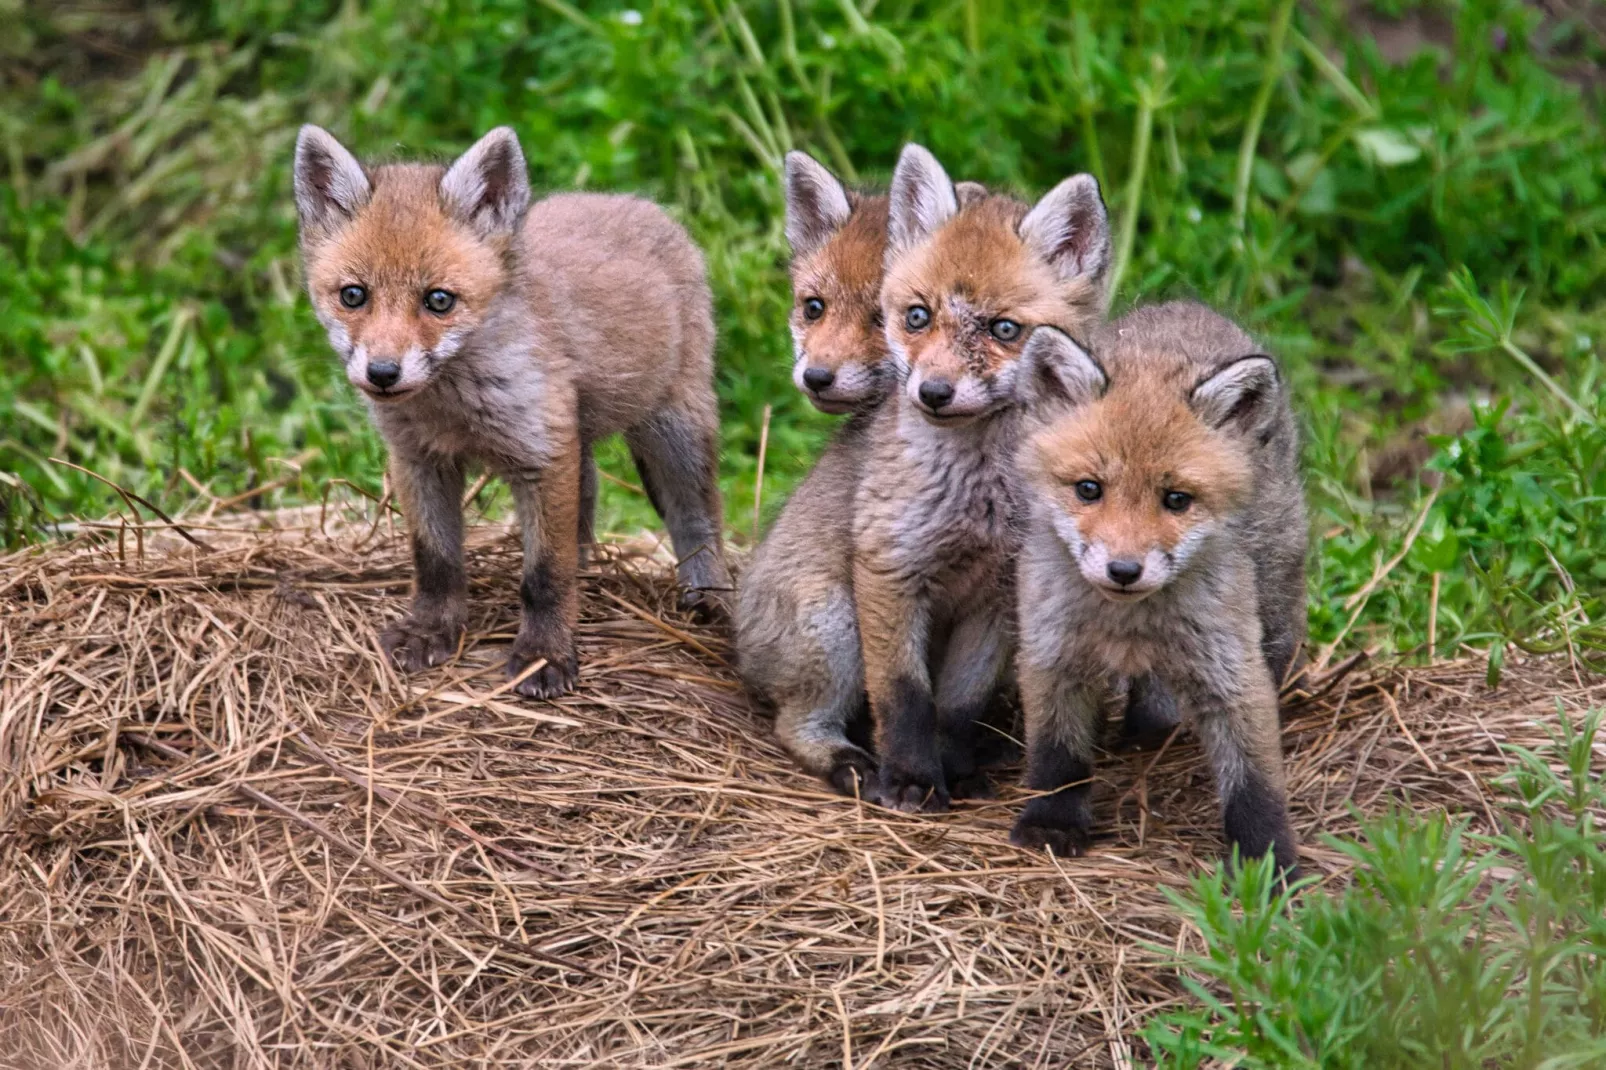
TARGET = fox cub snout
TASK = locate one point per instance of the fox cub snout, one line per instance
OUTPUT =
(1167, 535)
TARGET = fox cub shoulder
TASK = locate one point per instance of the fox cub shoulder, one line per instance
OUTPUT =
(484, 329)
(1167, 534)
(967, 279)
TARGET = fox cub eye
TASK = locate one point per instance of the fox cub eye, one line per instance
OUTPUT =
(1089, 490)
(917, 317)
(353, 296)
(439, 302)
(813, 308)
(1004, 330)
(1177, 501)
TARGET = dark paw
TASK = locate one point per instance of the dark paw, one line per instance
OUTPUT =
(704, 605)
(1065, 841)
(854, 775)
(416, 643)
(911, 792)
(977, 785)
(550, 680)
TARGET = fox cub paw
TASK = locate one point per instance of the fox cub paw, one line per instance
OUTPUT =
(977, 785)
(1035, 831)
(911, 792)
(705, 605)
(550, 680)
(853, 774)
(415, 643)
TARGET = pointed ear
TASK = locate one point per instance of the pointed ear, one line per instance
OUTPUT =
(489, 185)
(969, 193)
(1070, 229)
(330, 184)
(1238, 395)
(816, 203)
(921, 200)
(1057, 369)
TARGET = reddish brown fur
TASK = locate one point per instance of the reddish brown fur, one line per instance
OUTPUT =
(845, 273)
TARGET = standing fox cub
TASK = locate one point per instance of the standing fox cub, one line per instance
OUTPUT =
(483, 328)
(1167, 533)
(934, 524)
(797, 639)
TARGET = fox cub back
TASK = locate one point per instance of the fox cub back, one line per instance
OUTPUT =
(1167, 534)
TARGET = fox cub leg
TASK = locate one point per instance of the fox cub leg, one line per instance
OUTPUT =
(676, 455)
(587, 526)
(894, 634)
(815, 733)
(547, 501)
(1237, 722)
(1151, 711)
(972, 664)
(431, 495)
(1063, 714)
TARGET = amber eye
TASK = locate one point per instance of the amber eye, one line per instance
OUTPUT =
(353, 296)
(917, 317)
(1089, 490)
(1004, 330)
(1176, 500)
(813, 308)
(439, 302)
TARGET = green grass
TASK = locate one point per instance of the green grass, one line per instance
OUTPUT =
(1419, 238)
(1446, 949)
(1360, 214)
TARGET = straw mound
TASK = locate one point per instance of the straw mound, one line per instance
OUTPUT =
(230, 836)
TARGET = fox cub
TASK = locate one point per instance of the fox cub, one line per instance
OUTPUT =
(797, 637)
(934, 524)
(482, 328)
(797, 642)
(1167, 533)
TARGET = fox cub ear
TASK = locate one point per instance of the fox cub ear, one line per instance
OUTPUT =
(968, 193)
(1057, 369)
(1239, 395)
(1070, 229)
(817, 205)
(330, 183)
(488, 186)
(922, 199)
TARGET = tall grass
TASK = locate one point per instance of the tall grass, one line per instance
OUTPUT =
(1372, 212)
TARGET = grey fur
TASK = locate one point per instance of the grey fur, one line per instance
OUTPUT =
(1220, 634)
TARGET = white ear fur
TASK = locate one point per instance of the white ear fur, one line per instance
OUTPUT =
(816, 203)
(922, 199)
(1237, 393)
(1058, 369)
(969, 192)
(1070, 229)
(489, 185)
(329, 182)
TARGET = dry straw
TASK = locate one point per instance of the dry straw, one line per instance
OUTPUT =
(231, 836)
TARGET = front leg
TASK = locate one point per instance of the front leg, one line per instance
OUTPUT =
(1236, 714)
(972, 665)
(547, 501)
(431, 494)
(894, 626)
(1062, 719)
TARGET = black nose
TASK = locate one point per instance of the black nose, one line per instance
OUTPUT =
(1125, 572)
(936, 393)
(383, 373)
(818, 378)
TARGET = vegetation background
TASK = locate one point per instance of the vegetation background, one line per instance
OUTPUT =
(1406, 200)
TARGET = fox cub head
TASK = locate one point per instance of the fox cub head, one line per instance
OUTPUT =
(839, 244)
(404, 261)
(968, 278)
(1144, 454)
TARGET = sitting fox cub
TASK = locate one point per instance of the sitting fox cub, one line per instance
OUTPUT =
(482, 328)
(1167, 533)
